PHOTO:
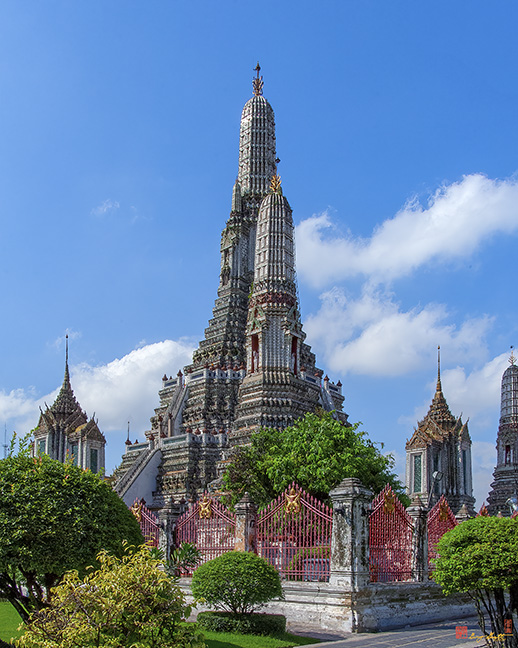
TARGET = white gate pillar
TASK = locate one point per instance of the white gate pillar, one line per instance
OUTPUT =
(350, 535)
(419, 514)
(246, 520)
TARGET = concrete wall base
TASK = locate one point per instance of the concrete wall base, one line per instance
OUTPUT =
(379, 606)
(386, 606)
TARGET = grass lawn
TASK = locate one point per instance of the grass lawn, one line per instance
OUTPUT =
(9, 621)
(224, 640)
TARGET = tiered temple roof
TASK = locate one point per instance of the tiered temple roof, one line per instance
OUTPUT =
(64, 424)
(439, 423)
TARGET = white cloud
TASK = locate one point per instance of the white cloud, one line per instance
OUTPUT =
(105, 207)
(371, 335)
(20, 408)
(457, 218)
(124, 389)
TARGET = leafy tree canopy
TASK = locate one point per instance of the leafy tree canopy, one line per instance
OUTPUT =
(317, 452)
(54, 517)
(480, 557)
(128, 601)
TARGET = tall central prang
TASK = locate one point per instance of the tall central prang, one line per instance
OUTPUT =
(253, 368)
(211, 406)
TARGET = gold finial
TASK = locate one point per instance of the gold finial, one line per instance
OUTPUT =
(258, 83)
(275, 184)
(205, 508)
(389, 501)
(292, 501)
(512, 359)
(136, 509)
(443, 508)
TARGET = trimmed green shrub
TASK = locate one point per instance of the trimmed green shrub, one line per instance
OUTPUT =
(237, 582)
(256, 624)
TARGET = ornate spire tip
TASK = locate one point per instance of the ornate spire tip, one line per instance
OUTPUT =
(258, 83)
(439, 386)
(512, 359)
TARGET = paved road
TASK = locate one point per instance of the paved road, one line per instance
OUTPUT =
(434, 635)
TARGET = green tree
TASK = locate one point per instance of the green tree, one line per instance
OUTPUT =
(480, 557)
(54, 517)
(237, 582)
(128, 601)
(317, 452)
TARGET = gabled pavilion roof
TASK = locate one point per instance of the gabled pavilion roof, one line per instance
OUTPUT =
(65, 413)
(439, 423)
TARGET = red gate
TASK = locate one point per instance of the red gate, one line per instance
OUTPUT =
(148, 521)
(294, 535)
(208, 525)
(440, 520)
(390, 539)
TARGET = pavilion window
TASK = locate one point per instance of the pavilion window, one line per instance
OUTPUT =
(94, 463)
(418, 473)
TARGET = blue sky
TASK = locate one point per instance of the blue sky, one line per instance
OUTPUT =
(397, 133)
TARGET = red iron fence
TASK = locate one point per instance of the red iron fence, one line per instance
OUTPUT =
(148, 521)
(210, 526)
(294, 535)
(390, 539)
(440, 520)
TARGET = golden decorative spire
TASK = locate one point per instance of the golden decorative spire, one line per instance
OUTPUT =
(258, 81)
(275, 184)
(512, 359)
